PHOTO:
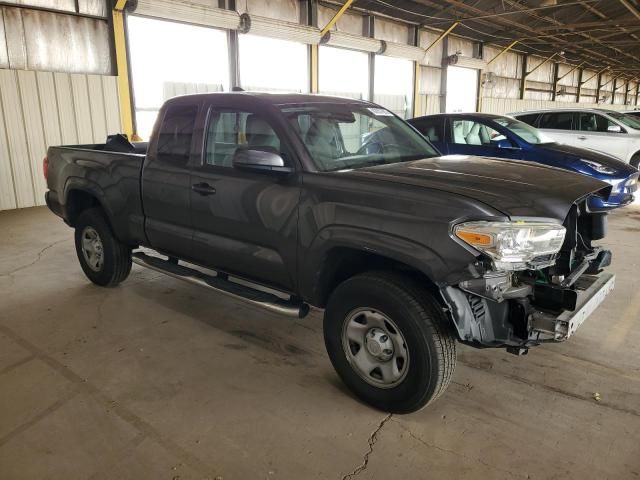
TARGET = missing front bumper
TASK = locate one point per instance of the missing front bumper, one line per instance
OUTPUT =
(592, 290)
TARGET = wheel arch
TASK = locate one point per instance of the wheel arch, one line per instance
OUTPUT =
(343, 262)
(81, 195)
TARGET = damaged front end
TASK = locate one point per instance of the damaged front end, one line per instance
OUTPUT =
(515, 300)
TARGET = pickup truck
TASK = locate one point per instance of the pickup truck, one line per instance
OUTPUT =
(285, 202)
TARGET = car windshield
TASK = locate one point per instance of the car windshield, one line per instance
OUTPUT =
(344, 136)
(626, 120)
(524, 131)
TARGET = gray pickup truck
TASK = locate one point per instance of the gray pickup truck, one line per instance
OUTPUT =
(290, 201)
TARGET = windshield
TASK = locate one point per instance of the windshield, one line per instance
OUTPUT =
(524, 131)
(344, 136)
(626, 120)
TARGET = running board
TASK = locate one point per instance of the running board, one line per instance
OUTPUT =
(252, 296)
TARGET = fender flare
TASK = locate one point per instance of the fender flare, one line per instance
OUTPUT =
(86, 186)
(383, 244)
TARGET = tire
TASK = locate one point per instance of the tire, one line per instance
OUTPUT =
(93, 228)
(635, 160)
(370, 302)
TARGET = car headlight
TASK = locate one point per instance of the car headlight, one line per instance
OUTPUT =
(514, 245)
(598, 167)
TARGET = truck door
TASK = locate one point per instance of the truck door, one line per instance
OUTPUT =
(166, 184)
(244, 222)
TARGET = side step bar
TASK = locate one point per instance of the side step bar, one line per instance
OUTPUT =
(246, 294)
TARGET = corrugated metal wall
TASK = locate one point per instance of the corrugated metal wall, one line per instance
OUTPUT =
(39, 109)
(55, 42)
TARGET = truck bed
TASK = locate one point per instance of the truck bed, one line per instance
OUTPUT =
(111, 175)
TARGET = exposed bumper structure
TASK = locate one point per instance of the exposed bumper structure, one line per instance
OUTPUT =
(524, 316)
(592, 290)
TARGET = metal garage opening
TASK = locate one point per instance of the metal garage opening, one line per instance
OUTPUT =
(164, 63)
(462, 89)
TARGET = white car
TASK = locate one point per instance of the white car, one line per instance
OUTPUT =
(607, 131)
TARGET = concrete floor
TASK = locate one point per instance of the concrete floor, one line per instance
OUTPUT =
(158, 379)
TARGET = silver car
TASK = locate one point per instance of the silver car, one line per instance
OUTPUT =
(607, 131)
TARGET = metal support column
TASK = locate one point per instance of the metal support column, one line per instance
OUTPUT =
(309, 16)
(626, 92)
(579, 89)
(443, 77)
(368, 26)
(556, 68)
(233, 51)
(414, 39)
(523, 75)
(313, 60)
(613, 91)
(598, 88)
(125, 96)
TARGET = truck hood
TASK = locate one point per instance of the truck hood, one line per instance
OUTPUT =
(515, 188)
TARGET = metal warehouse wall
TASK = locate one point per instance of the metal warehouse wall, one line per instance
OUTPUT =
(44, 108)
(504, 95)
(56, 87)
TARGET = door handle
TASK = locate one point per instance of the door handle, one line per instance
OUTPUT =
(203, 189)
(581, 137)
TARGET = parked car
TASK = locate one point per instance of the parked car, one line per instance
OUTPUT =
(607, 131)
(505, 137)
(405, 251)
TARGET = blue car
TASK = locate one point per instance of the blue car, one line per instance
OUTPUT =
(505, 137)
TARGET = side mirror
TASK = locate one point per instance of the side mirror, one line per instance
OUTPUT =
(614, 129)
(260, 160)
(506, 144)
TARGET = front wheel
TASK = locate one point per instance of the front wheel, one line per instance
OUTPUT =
(104, 259)
(635, 160)
(389, 341)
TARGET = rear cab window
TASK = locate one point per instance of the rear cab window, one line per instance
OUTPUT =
(175, 134)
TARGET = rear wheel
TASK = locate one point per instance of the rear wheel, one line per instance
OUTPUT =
(103, 258)
(389, 341)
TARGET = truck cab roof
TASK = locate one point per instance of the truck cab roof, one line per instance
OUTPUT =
(275, 99)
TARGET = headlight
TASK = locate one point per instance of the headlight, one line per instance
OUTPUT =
(514, 245)
(598, 167)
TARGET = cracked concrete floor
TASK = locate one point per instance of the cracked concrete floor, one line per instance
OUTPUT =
(158, 379)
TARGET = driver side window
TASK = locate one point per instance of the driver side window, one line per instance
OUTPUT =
(229, 131)
(468, 132)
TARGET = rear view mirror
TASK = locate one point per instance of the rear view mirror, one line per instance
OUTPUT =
(261, 160)
(614, 129)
